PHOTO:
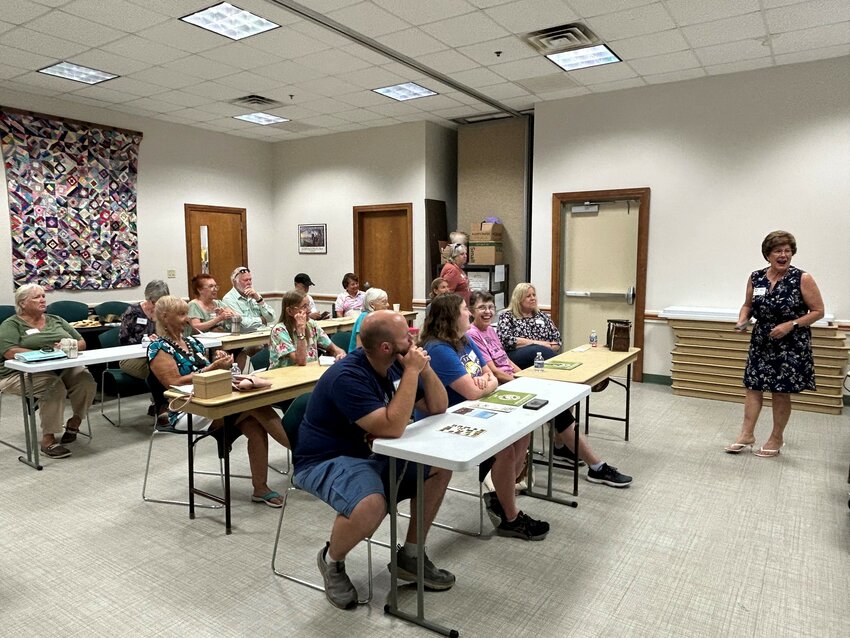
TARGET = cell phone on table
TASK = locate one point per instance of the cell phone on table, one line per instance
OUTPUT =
(535, 404)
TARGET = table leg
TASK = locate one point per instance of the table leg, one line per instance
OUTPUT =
(586, 416)
(30, 432)
(551, 464)
(628, 396)
(392, 606)
(575, 452)
(226, 479)
(191, 456)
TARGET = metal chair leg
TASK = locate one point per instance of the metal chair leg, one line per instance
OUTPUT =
(148, 499)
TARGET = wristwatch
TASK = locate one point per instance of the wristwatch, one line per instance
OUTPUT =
(260, 300)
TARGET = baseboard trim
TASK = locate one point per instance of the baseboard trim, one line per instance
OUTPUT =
(658, 379)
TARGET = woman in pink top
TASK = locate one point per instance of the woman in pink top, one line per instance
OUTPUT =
(453, 273)
(488, 342)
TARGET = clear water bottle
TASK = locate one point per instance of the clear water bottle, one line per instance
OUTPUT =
(538, 362)
(594, 339)
(235, 369)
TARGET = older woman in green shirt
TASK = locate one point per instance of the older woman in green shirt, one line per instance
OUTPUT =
(31, 328)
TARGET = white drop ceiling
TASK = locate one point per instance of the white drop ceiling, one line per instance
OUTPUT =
(177, 72)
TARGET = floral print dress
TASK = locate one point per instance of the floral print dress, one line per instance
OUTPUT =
(779, 365)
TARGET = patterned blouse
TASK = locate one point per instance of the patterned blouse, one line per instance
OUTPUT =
(537, 327)
(282, 344)
(346, 305)
(187, 362)
(135, 325)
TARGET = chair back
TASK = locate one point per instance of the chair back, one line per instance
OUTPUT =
(69, 310)
(115, 308)
(6, 312)
(109, 339)
(342, 339)
(293, 417)
(260, 361)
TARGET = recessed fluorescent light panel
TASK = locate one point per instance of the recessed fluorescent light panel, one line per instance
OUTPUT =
(77, 73)
(583, 58)
(229, 21)
(403, 92)
(262, 119)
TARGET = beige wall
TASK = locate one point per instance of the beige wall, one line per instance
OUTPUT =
(491, 182)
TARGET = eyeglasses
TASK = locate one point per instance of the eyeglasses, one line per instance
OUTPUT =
(485, 308)
(212, 287)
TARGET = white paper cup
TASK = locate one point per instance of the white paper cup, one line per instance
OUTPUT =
(396, 307)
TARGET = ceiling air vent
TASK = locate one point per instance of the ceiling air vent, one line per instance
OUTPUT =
(256, 101)
(562, 38)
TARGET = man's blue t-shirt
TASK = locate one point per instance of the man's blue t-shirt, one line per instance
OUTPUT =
(450, 364)
(348, 391)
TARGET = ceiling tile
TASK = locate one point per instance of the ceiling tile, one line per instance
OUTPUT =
(135, 87)
(105, 94)
(731, 52)
(157, 106)
(358, 115)
(606, 73)
(362, 98)
(815, 38)
(547, 83)
(559, 95)
(291, 112)
(369, 19)
(239, 55)
(418, 12)
(666, 63)
(728, 30)
(695, 11)
(24, 59)
(110, 62)
(618, 85)
(214, 91)
(632, 22)
(363, 53)
(511, 48)
(478, 77)
(463, 98)
(287, 72)
(326, 106)
(411, 42)
(118, 14)
(9, 72)
(504, 91)
(199, 67)
(196, 115)
(268, 10)
(644, 46)
(772, 4)
(291, 96)
(184, 36)
(249, 82)
(810, 14)
(463, 111)
(466, 29)
(165, 77)
(529, 68)
(100, 104)
(325, 121)
(18, 85)
(589, 8)
(174, 8)
(523, 16)
(76, 29)
(814, 54)
(41, 43)
(392, 108)
(225, 108)
(520, 103)
(132, 46)
(433, 102)
(182, 98)
(738, 66)
(373, 78)
(320, 33)
(20, 11)
(6, 26)
(329, 86)
(449, 61)
(674, 76)
(286, 43)
(332, 62)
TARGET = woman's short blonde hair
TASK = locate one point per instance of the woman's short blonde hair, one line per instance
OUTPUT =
(778, 238)
(456, 251)
(373, 295)
(517, 296)
(25, 292)
(166, 306)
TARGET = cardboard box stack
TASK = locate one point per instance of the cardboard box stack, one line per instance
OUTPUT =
(485, 243)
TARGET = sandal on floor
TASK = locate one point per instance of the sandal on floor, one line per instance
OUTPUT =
(70, 434)
(765, 453)
(267, 499)
(55, 451)
(737, 448)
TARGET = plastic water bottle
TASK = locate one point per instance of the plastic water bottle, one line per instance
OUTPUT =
(538, 362)
(235, 369)
(594, 339)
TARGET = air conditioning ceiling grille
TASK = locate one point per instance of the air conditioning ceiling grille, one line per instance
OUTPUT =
(562, 38)
(256, 101)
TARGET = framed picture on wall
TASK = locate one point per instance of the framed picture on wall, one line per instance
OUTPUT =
(312, 239)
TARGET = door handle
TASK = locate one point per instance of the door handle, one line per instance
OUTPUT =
(628, 296)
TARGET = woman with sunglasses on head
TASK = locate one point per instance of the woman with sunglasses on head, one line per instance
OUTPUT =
(206, 312)
(453, 273)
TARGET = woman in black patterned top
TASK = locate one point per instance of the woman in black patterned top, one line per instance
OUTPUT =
(784, 301)
(524, 330)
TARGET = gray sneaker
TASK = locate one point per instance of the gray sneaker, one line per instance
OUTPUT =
(338, 588)
(435, 579)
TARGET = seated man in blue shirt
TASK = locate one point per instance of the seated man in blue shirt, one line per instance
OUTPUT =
(369, 394)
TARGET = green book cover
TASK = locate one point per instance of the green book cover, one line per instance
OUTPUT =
(506, 397)
(561, 365)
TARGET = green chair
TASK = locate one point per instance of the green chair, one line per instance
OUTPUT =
(260, 361)
(291, 422)
(341, 340)
(115, 308)
(6, 312)
(121, 383)
(69, 310)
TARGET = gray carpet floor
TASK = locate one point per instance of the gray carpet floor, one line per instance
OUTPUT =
(702, 544)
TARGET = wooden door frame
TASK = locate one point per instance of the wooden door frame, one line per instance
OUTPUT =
(383, 208)
(620, 194)
(204, 208)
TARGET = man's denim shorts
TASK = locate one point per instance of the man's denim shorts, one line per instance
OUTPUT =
(344, 481)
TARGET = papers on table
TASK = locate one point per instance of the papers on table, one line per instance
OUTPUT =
(326, 361)
(561, 365)
(507, 397)
(583, 348)
(185, 389)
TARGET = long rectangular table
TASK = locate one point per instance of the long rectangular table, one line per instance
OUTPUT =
(597, 364)
(338, 324)
(287, 383)
(426, 443)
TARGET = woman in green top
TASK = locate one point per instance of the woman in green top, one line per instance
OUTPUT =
(206, 312)
(296, 339)
(32, 329)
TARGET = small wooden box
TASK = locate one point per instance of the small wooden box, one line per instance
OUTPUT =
(209, 385)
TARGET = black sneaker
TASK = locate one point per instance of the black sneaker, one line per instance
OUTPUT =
(565, 453)
(494, 508)
(524, 527)
(608, 475)
(338, 588)
(435, 579)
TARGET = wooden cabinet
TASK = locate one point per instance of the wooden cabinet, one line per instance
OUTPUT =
(709, 359)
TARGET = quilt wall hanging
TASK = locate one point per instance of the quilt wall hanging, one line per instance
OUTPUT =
(72, 201)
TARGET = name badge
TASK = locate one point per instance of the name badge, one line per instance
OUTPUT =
(540, 322)
(142, 321)
(761, 291)
(33, 331)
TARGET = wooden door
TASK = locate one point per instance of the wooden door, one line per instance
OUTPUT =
(216, 243)
(383, 250)
(602, 255)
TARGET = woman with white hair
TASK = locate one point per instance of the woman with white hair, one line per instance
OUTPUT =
(31, 328)
(453, 272)
(376, 299)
